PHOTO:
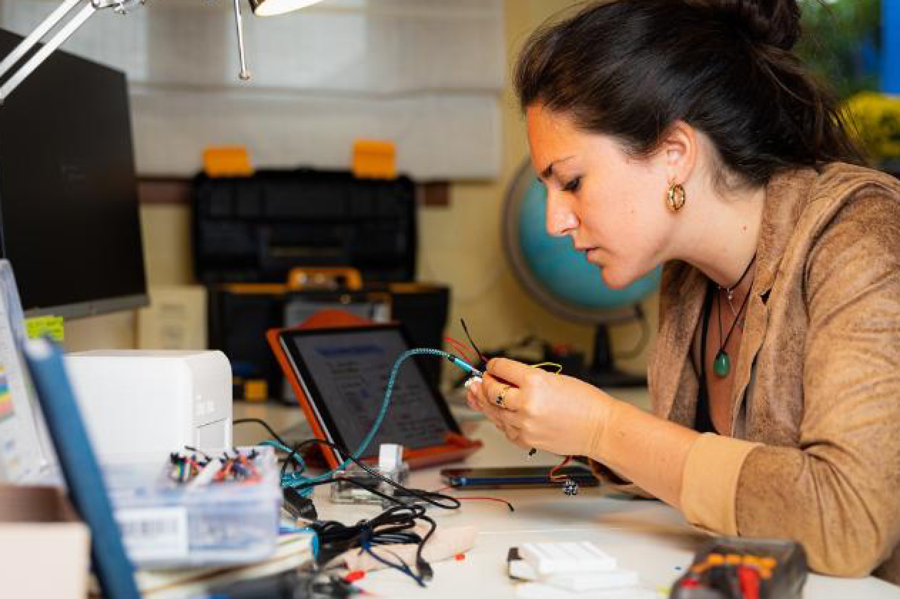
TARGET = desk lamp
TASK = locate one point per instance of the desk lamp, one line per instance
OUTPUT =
(76, 12)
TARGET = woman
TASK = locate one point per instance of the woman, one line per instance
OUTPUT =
(687, 133)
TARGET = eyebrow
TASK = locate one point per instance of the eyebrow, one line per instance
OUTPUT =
(548, 172)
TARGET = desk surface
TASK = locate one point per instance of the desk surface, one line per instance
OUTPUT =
(647, 536)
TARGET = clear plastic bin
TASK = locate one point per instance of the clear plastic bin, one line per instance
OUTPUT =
(165, 524)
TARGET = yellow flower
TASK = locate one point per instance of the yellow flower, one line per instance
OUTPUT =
(876, 120)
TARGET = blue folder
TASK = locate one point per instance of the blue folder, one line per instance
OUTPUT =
(87, 490)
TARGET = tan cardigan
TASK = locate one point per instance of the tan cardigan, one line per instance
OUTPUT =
(815, 451)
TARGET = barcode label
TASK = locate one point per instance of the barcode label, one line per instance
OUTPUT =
(154, 533)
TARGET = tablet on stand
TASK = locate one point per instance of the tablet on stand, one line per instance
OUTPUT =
(339, 375)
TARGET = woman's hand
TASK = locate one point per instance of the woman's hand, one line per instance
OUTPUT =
(535, 408)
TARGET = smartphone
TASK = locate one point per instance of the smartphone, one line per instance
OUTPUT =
(522, 477)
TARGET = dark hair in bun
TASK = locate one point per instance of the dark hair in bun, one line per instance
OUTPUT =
(632, 68)
(773, 22)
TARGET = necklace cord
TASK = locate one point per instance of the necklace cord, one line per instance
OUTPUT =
(737, 319)
(730, 290)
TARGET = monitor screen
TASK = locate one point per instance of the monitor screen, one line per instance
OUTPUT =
(69, 220)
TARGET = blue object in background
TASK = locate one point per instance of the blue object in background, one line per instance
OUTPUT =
(890, 26)
(563, 272)
(87, 490)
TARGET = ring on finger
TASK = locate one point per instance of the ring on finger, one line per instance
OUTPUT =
(502, 395)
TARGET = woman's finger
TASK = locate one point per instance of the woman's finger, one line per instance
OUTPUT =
(499, 393)
(509, 370)
(472, 401)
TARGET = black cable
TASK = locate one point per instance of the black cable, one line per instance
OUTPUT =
(391, 527)
(397, 519)
(403, 567)
(263, 424)
(424, 568)
(484, 360)
(426, 496)
(195, 450)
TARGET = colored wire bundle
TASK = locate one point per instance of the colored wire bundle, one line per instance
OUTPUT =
(184, 468)
(555, 476)
(239, 467)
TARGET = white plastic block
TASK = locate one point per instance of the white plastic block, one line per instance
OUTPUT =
(569, 557)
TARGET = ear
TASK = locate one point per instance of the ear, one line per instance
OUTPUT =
(678, 151)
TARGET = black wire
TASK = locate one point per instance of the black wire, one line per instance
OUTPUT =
(263, 424)
(195, 450)
(391, 527)
(426, 496)
(424, 568)
(349, 536)
(481, 355)
(402, 566)
(371, 490)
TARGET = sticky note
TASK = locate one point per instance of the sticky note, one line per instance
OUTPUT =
(41, 326)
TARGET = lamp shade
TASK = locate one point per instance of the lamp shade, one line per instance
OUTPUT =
(268, 8)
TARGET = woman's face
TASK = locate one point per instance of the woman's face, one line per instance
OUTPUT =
(612, 205)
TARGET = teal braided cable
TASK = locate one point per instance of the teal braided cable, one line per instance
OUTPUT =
(289, 451)
(295, 479)
(387, 395)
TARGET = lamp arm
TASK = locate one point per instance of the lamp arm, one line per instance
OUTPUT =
(66, 10)
(239, 23)
(77, 18)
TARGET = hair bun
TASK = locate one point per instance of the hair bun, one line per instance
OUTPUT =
(774, 22)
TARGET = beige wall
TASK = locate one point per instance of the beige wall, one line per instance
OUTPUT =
(460, 245)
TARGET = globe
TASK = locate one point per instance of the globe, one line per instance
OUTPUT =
(561, 278)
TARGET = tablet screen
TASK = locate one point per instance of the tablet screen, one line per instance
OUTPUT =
(345, 372)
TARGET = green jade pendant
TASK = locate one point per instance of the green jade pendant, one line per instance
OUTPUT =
(722, 364)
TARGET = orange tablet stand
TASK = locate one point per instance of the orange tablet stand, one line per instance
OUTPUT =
(455, 446)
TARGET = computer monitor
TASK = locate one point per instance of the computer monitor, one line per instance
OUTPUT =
(69, 220)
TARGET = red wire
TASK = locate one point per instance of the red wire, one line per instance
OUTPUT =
(453, 350)
(558, 478)
(497, 499)
(479, 498)
(460, 348)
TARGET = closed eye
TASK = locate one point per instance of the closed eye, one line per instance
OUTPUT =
(572, 185)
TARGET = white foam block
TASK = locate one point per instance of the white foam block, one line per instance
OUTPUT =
(569, 557)
(593, 581)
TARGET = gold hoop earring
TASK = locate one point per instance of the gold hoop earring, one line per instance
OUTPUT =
(676, 197)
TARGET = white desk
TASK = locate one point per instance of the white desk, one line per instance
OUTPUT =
(647, 536)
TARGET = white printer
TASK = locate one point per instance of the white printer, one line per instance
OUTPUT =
(137, 402)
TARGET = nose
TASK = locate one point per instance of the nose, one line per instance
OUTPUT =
(561, 220)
